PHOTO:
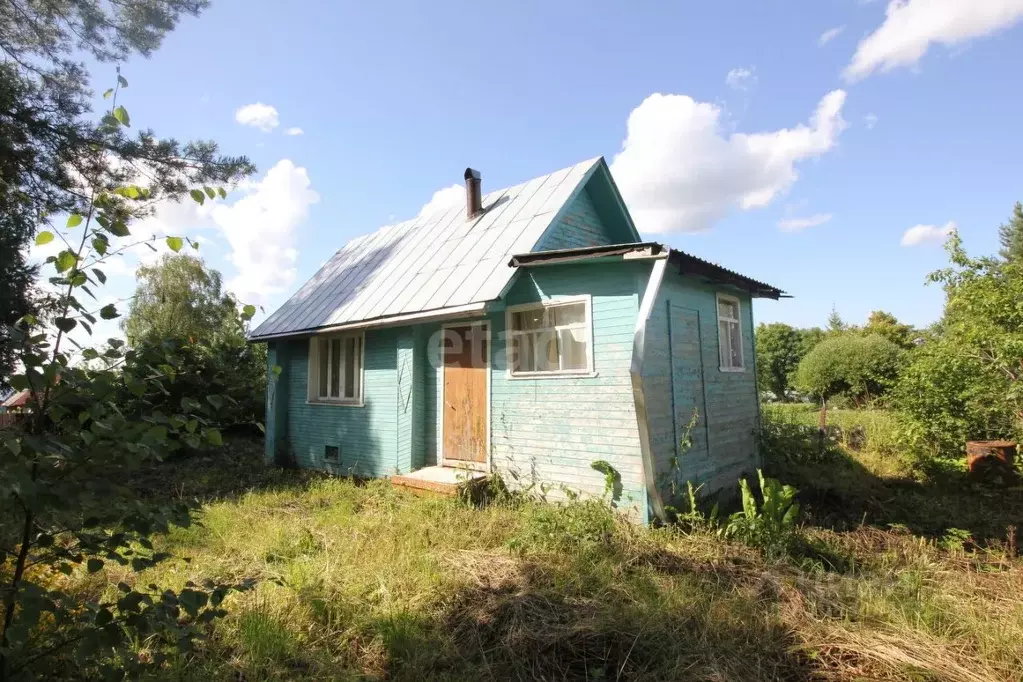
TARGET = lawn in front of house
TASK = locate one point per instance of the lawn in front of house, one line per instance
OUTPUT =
(362, 581)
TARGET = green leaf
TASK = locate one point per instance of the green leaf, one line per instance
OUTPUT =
(65, 261)
(174, 243)
(118, 228)
(74, 220)
(222, 192)
(108, 312)
(100, 243)
(215, 400)
(121, 114)
(130, 192)
(103, 617)
(44, 237)
(213, 436)
(121, 81)
(277, 369)
(210, 192)
(108, 93)
(65, 324)
(248, 311)
(192, 600)
(93, 565)
(198, 196)
(100, 275)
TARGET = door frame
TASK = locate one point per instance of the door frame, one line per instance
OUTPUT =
(461, 464)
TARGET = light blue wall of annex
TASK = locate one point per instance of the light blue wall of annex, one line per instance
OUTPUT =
(681, 373)
(552, 430)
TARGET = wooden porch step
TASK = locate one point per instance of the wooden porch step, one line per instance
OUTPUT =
(448, 481)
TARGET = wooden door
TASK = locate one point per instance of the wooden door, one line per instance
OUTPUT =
(465, 394)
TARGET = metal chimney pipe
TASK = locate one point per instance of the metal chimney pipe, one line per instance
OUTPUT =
(473, 193)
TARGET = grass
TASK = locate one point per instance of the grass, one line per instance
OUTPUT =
(361, 581)
(863, 476)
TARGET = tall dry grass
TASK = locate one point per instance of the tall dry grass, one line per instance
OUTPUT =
(359, 581)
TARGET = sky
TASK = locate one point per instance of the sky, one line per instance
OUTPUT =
(824, 146)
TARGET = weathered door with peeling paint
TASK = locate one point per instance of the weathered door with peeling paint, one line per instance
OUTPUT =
(465, 394)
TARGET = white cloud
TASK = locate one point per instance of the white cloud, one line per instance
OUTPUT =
(294, 131)
(870, 120)
(797, 224)
(741, 79)
(829, 35)
(911, 26)
(444, 199)
(260, 229)
(927, 234)
(679, 172)
(258, 115)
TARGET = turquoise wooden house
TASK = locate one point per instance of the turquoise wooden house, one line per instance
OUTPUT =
(529, 333)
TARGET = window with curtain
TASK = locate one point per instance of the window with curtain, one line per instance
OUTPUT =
(550, 338)
(729, 334)
(335, 369)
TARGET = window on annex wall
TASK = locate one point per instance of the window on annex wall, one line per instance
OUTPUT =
(729, 334)
(550, 338)
(335, 369)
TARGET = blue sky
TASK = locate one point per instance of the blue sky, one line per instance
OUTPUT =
(395, 99)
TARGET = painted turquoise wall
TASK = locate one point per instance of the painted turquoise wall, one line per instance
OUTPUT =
(681, 373)
(579, 225)
(367, 434)
(552, 430)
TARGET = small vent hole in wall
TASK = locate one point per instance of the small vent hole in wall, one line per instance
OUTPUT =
(331, 453)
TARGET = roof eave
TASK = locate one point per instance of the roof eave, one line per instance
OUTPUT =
(454, 312)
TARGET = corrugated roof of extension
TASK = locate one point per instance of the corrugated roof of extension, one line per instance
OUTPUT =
(441, 261)
(687, 264)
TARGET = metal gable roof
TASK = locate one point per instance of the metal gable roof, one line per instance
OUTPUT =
(440, 260)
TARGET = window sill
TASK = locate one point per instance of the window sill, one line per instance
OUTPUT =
(732, 369)
(336, 403)
(550, 375)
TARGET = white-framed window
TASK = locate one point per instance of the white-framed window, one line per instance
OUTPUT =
(729, 334)
(550, 338)
(335, 369)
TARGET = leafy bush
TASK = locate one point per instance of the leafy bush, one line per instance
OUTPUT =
(227, 367)
(861, 368)
(769, 526)
(780, 347)
(968, 384)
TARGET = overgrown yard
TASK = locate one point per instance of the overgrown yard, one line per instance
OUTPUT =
(361, 581)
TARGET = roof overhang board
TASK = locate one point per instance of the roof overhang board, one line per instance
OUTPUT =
(459, 312)
(589, 254)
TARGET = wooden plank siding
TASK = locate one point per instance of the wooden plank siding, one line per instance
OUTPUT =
(681, 373)
(579, 226)
(367, 435)
(551, 430)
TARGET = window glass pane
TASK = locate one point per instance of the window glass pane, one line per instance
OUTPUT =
(335, 367)
(569, 314)
(522, 353)
(728, 309)
(323, 360)
(574, 349)
(358, 368)
(735, 343)
(528, 319)
(350, 368)
(724, 355)
(546, 347)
